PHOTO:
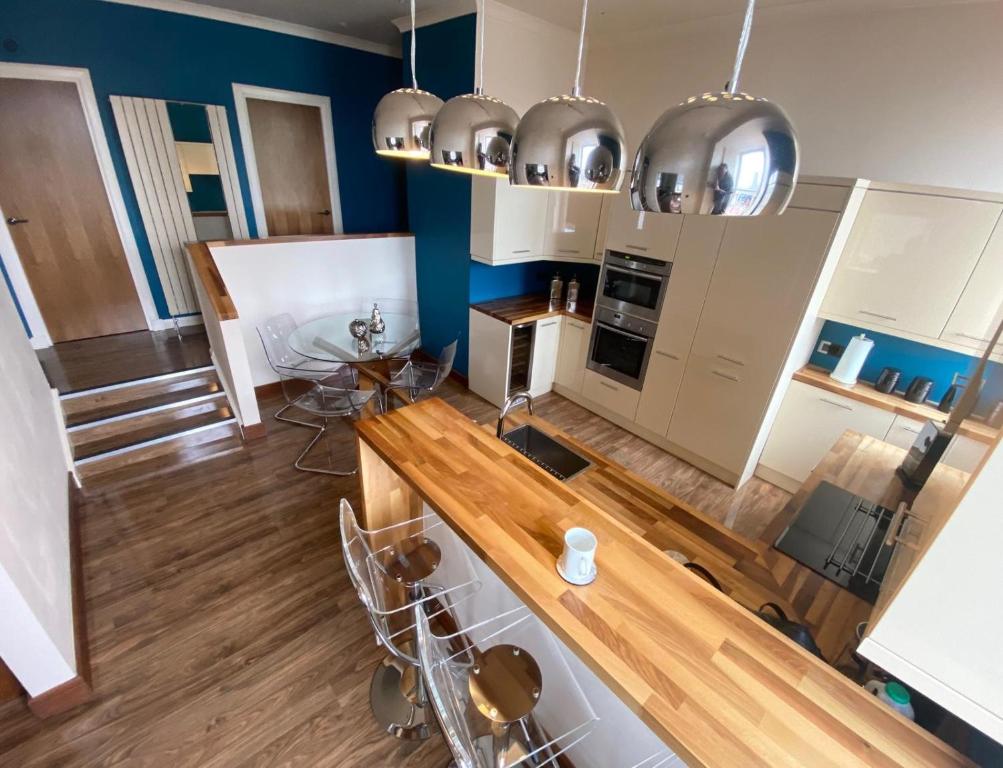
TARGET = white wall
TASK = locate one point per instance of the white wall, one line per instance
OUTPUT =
(308, 279)
(36, 628)
(909, 95)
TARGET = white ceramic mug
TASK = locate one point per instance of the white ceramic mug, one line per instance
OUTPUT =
(579, 555)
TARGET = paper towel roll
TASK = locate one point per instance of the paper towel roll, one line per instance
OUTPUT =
(849, 365)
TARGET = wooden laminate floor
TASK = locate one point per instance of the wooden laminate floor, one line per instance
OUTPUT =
(223, 629)
(72, 366)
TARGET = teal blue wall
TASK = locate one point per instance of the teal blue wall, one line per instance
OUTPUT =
(135, 51)
(913, 359)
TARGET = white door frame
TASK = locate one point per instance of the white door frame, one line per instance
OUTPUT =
(241, 93)
(82, 79)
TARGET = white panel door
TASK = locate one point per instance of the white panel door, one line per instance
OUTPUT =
(692, 268)
(642, 234)
(765, 272)
(490, 357)
(908, 259)
(980, 309)
(571, 354)
(571, 225)
(546, 338)
(810, 421)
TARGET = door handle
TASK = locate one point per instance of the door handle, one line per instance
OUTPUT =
(666, 354)
(723, 375)
(325, 212)
(877, 315)
(833, 402)
(14, 220)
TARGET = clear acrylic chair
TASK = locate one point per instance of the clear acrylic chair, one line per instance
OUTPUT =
(326, 390)
(414, 379)
(485, 689)
(392, 582)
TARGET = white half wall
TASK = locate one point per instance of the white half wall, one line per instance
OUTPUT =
(308, 279)
(36, 611)
(904, 95)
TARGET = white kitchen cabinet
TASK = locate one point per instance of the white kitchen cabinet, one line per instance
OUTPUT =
(571, 226)
(641, 234)
(609, 394)
(907, 261)
(692, 267)
(903, 431)
(546, 338)
(507, 223)
(979, 311)
(572, 351)
(765, 273)
(490, 357)
(964, 453)
(810, 421)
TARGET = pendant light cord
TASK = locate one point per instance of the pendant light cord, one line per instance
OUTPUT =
(743, 43)
(577, 90)
(414, 46)
(482, 20)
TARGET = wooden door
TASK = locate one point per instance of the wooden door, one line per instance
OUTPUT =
(68, 245)
(292, 167)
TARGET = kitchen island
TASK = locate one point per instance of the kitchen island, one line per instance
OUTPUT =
(713, 681)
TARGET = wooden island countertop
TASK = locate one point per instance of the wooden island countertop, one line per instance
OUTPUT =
(716, 683)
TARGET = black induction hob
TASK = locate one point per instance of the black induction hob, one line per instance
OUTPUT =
(841, 537)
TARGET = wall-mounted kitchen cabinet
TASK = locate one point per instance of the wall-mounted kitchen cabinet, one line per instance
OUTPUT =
(979, 311)
(572, 352)
(763, 280)
(907, 262)
(642, 234)
(692, 267)
(571, 226)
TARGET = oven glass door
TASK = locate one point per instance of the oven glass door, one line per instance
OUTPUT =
(620, 352)
(631, 286)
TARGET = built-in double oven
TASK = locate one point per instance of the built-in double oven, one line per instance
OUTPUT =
(631, 292)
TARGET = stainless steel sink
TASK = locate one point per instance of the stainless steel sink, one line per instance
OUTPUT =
(544, 451)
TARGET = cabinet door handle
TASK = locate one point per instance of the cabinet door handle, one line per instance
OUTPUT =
(608, 386)
(568, 250)
(548, 323)
(730, 360)
(724, 375)
(833, 402)
(876, 314)
(909, 429)
(666, 354)
(524, 250)
(970, 336)
(575, 324)
(635, 247)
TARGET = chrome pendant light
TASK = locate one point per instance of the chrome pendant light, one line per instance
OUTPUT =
(723, 153)
(573, 142)
(403, 118)
(472, 133)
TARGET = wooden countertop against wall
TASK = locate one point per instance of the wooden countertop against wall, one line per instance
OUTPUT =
(716, 683)
(866, 393)
(527, 309)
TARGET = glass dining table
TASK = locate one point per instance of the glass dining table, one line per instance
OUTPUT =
(329, 339)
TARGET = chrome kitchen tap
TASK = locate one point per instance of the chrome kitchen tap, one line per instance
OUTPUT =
(516, 398)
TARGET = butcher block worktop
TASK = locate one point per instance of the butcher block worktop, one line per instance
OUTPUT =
(526, 309)
(715, 682)
(867, 394)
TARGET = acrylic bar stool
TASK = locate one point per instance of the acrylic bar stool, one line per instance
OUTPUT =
(397, 692)
(485, 696)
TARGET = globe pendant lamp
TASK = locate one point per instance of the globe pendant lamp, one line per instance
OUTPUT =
(724, 153)
(472, 133)
(571, 142)
(403, 118)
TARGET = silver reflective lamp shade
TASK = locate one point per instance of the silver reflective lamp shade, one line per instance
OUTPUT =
(402, 121)
(473, 133)
(570, 142)
(722, 154)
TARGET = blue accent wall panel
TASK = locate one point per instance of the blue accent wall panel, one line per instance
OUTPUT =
(913, 359)
(439, 201)
(17, 304)
(487, 282)
(132, 51)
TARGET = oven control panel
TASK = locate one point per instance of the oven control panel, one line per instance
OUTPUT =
(626, 322)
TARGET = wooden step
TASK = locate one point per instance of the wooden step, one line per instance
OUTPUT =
(117, 399)
(181, 447)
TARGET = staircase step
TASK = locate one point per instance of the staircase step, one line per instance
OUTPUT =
(182, 447)
(143, 394)
(153, 427)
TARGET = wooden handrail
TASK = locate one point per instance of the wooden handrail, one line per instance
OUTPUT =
(212, 281)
